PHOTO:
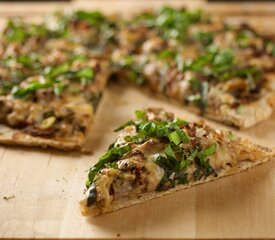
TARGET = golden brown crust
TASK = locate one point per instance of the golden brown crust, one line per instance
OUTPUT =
(9, 136)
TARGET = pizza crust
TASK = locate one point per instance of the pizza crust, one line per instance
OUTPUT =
(247, 115)
(9, 136)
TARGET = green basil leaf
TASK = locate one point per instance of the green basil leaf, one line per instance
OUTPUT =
(19, 92)
(85, 73)
(53, 72)
(111, 155)
(94, 18)
(141, 115)
(178, 136)
(169, 152)
(205, 38)
(208, 151)
(92, 195)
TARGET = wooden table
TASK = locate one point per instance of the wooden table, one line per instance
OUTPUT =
(40, 189)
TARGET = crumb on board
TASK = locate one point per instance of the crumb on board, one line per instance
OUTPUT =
(7, 198)
(118, 235)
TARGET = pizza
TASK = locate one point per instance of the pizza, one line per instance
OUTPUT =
(51, 80)
(53, 73)
(221, 71)
(157, 154)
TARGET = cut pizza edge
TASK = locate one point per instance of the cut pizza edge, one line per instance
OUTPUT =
(113, 189)
(13, 137)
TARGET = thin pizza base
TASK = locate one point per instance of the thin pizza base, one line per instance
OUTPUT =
(9, 136)
(242, 166)
(247, 116)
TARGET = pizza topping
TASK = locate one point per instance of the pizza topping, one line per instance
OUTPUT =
(47, 123)
(205, 63)
(153, 153)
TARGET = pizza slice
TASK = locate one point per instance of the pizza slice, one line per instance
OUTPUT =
(52, 100)
(215, 69)
(157, 154)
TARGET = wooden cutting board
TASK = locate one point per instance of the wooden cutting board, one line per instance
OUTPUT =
(44, 188)
(40, 189)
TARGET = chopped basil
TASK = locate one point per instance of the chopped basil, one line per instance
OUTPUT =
(92, 195)
(85, 75)
(174, 23)
(147, 128)
(169, 152)
(164, 183)
(208, 151)
(160, 129)
(58, 88)
(141, 114)
(93, 18)
(162, 161)
(127, 61)
(178, 136)
(170, 22)
(110, 156)
(177, 123)
(205, 38)
(200, 98)
(203, 171)
(243, 38)
(19, 92)
(224, 59)
(111, 165)
(231, 136)
(270, 48)
(167, 54)
(138, 138)
(26, 60)
(5, 86)
(174, 164)
(16, 32)
(53, 72)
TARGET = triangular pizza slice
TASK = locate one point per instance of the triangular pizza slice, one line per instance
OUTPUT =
(157, 154)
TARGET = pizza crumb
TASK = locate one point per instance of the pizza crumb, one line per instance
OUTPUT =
(118, 235)
(7, 198)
